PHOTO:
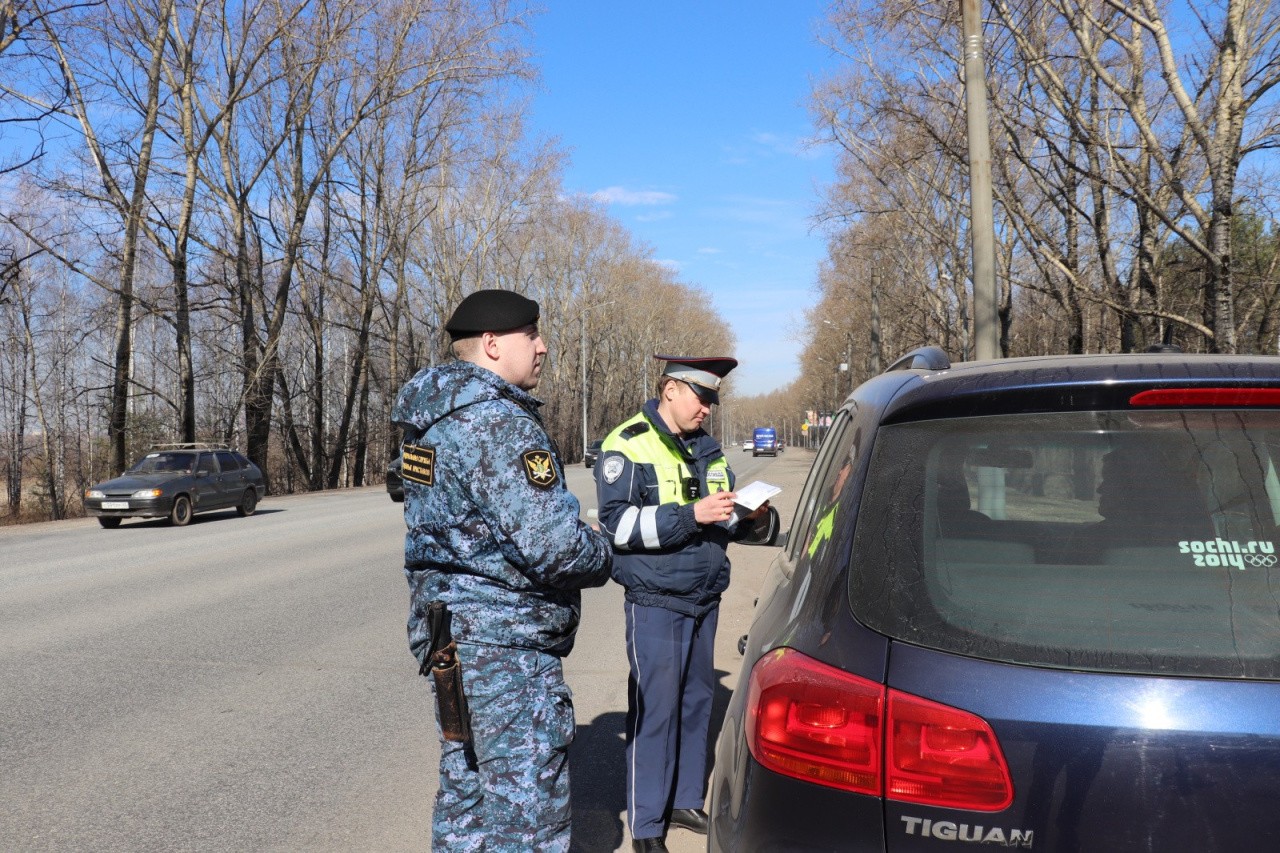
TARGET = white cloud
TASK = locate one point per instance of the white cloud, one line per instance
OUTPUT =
(770, 140)
(784, 213)
(624, 196)
(762, 146)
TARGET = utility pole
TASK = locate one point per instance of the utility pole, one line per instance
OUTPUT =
(846, 367)
(874, 366)
(986, 310)
(582, 362)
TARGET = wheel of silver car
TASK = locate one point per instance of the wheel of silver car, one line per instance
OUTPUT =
(180, 515)
(248, 503)
(109, 522)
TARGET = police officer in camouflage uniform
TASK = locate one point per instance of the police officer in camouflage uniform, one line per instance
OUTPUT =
(495, 534)
(666, 500)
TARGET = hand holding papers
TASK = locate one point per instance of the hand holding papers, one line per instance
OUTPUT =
(751, 496)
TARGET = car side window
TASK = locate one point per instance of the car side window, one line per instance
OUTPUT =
(812, 501)
(830, 497)
(228, 461)
(205, 463)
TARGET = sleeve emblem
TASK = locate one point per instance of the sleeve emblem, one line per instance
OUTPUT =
(418, 464)
(539, 469)
(612, 469)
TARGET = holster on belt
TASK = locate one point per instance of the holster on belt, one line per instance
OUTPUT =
(446, 674)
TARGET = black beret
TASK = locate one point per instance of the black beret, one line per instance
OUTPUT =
(491, 311)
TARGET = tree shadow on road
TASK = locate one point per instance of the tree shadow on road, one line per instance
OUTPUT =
(598, 775)
(598, 784)
(719, 704)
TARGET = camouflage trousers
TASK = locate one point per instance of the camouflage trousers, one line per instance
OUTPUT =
(509, 790)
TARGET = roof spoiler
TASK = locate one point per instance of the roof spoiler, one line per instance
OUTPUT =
(922, 358)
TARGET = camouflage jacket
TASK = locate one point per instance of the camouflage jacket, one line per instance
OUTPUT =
(492, 529)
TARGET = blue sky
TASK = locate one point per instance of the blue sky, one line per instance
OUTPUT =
(690, 120)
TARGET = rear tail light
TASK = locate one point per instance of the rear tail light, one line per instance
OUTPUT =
(813, 722)
(944, 757)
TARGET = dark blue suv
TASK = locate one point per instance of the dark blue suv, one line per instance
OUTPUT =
(1031, 604)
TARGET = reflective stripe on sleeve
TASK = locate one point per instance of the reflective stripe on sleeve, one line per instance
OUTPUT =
(626, 524)
(649, 527)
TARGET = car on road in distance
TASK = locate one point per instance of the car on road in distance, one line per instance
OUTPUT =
(592, 453)
(1031, 603)
(764, 441)
(395, 483)
(747, 445)
(176, 481)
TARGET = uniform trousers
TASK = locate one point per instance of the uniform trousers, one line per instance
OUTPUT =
(509, 791)
(672, 680)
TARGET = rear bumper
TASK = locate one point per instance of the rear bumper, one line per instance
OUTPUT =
(762, 810)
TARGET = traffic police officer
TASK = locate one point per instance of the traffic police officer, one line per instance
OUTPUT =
(494, 533)
(666, 501)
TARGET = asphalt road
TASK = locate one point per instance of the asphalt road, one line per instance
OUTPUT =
(244, 684)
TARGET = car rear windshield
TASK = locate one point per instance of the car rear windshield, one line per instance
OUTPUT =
(1110, 541)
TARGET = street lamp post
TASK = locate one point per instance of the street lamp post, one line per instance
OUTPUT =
(845, 366)
(645, 385)
(986, 305)
(582, 357)
(875, 321)
(835, 388)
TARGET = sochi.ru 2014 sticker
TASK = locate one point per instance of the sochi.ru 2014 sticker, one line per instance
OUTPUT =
(1229, 552)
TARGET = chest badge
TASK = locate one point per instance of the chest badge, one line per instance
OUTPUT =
(539, 469)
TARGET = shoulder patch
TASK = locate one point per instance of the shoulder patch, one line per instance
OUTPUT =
(540, 469)
(637, 428)
(612, 469)
(418, 464)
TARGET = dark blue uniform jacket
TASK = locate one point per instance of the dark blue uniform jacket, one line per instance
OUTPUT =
(687, 568)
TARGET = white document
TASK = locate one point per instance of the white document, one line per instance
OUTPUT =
(751, 496)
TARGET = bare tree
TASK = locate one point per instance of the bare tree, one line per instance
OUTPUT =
(127, 200)
(1216, 91)
(1108, 150)
(276, 203)
(321, 77)
(14, 383)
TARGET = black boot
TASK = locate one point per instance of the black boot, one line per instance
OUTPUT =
(692, 819)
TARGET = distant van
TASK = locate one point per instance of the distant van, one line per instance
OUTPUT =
(764, 442)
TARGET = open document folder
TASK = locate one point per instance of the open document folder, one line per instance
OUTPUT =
(750, 497)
